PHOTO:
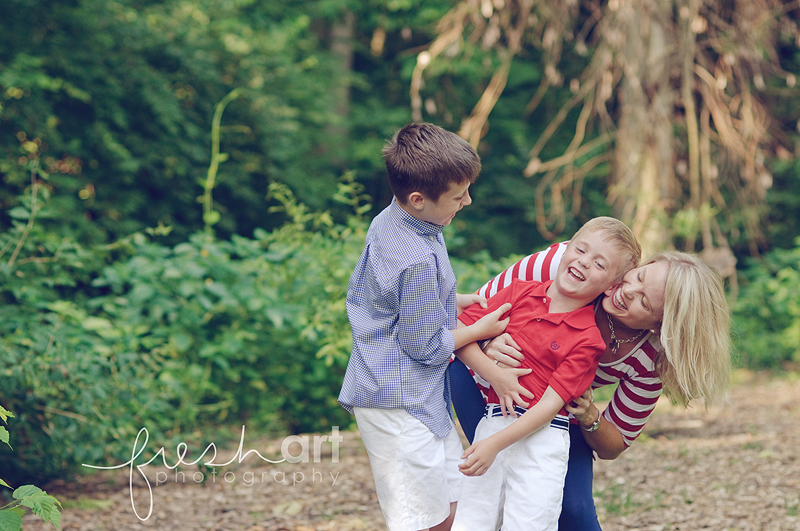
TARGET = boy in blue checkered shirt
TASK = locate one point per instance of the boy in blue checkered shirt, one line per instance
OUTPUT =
(402, 305)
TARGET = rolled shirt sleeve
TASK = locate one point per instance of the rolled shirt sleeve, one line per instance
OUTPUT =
(423, 326)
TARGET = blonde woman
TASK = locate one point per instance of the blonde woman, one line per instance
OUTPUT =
(667, 330)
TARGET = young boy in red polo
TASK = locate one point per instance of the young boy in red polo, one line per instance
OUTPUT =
(554, 324)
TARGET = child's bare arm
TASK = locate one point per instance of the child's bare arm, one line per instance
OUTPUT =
(488, 326)
(480, 455)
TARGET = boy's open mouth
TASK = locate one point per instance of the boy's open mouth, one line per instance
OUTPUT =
(576, 274)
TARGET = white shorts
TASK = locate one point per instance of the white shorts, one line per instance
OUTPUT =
(524, 487)
(416, 473)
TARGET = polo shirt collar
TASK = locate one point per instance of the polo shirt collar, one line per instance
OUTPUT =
(401, 217)
(581, 318)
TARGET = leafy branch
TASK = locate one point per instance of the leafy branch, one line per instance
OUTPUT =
(211, 216)
(38, 501)
(31, 216)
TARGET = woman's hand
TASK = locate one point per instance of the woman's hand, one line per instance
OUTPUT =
(583, 409)
(505, 351)
(463, 301)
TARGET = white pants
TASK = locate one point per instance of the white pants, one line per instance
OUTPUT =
(524, 487)
(416, 473)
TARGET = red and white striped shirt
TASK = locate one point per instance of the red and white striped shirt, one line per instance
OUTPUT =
(639, 385)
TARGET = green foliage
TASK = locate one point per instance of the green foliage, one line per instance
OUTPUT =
(100, 342)
(128, 89)
(56, 372)
(254, 327)
(38, 501)
(767, 311)
(119, 96)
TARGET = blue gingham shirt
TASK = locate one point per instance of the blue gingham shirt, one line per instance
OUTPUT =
(401, 302)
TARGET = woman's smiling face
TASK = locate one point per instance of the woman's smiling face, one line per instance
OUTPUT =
(638, 302)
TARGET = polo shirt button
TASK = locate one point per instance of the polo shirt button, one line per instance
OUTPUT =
(544, 300)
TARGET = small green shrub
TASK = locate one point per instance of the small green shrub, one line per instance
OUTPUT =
(251, 327)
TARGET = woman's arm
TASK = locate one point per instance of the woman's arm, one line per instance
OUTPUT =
(504, 351)
(631, 406)
(541, 266)
(605, 439)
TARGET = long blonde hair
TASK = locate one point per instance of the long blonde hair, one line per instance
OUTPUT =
(695, 332)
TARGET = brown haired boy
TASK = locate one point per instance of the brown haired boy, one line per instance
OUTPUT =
(402, 306)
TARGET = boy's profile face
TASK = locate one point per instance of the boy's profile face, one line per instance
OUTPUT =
(443, 211)
(589, 266)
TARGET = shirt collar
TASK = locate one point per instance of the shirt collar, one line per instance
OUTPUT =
(402, 217)
(581, 318)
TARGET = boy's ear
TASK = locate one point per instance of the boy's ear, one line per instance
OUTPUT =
(416, 200)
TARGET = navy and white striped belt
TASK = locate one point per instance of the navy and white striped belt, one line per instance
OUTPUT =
(494, 410)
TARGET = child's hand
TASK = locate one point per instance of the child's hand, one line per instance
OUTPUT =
(505, 383)
(491, 324)
(465, 300)
(478, 458)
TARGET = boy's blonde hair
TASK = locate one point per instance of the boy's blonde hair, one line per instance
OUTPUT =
(695, 361)
(630, 252)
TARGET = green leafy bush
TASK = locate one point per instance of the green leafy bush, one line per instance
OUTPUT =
(49, 367)
(100, 342)
(767, 311)
(252, 327)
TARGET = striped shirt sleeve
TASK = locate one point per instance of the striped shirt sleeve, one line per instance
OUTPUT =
(638, 391)
(541, 267)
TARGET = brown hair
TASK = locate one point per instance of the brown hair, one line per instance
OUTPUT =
(425, 158)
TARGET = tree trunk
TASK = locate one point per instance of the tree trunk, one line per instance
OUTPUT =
(641, 189)
(342, 35)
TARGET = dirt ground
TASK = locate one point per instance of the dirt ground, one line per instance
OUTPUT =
(734, 467)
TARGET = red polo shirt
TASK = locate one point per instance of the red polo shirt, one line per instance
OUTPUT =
(562, 349)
